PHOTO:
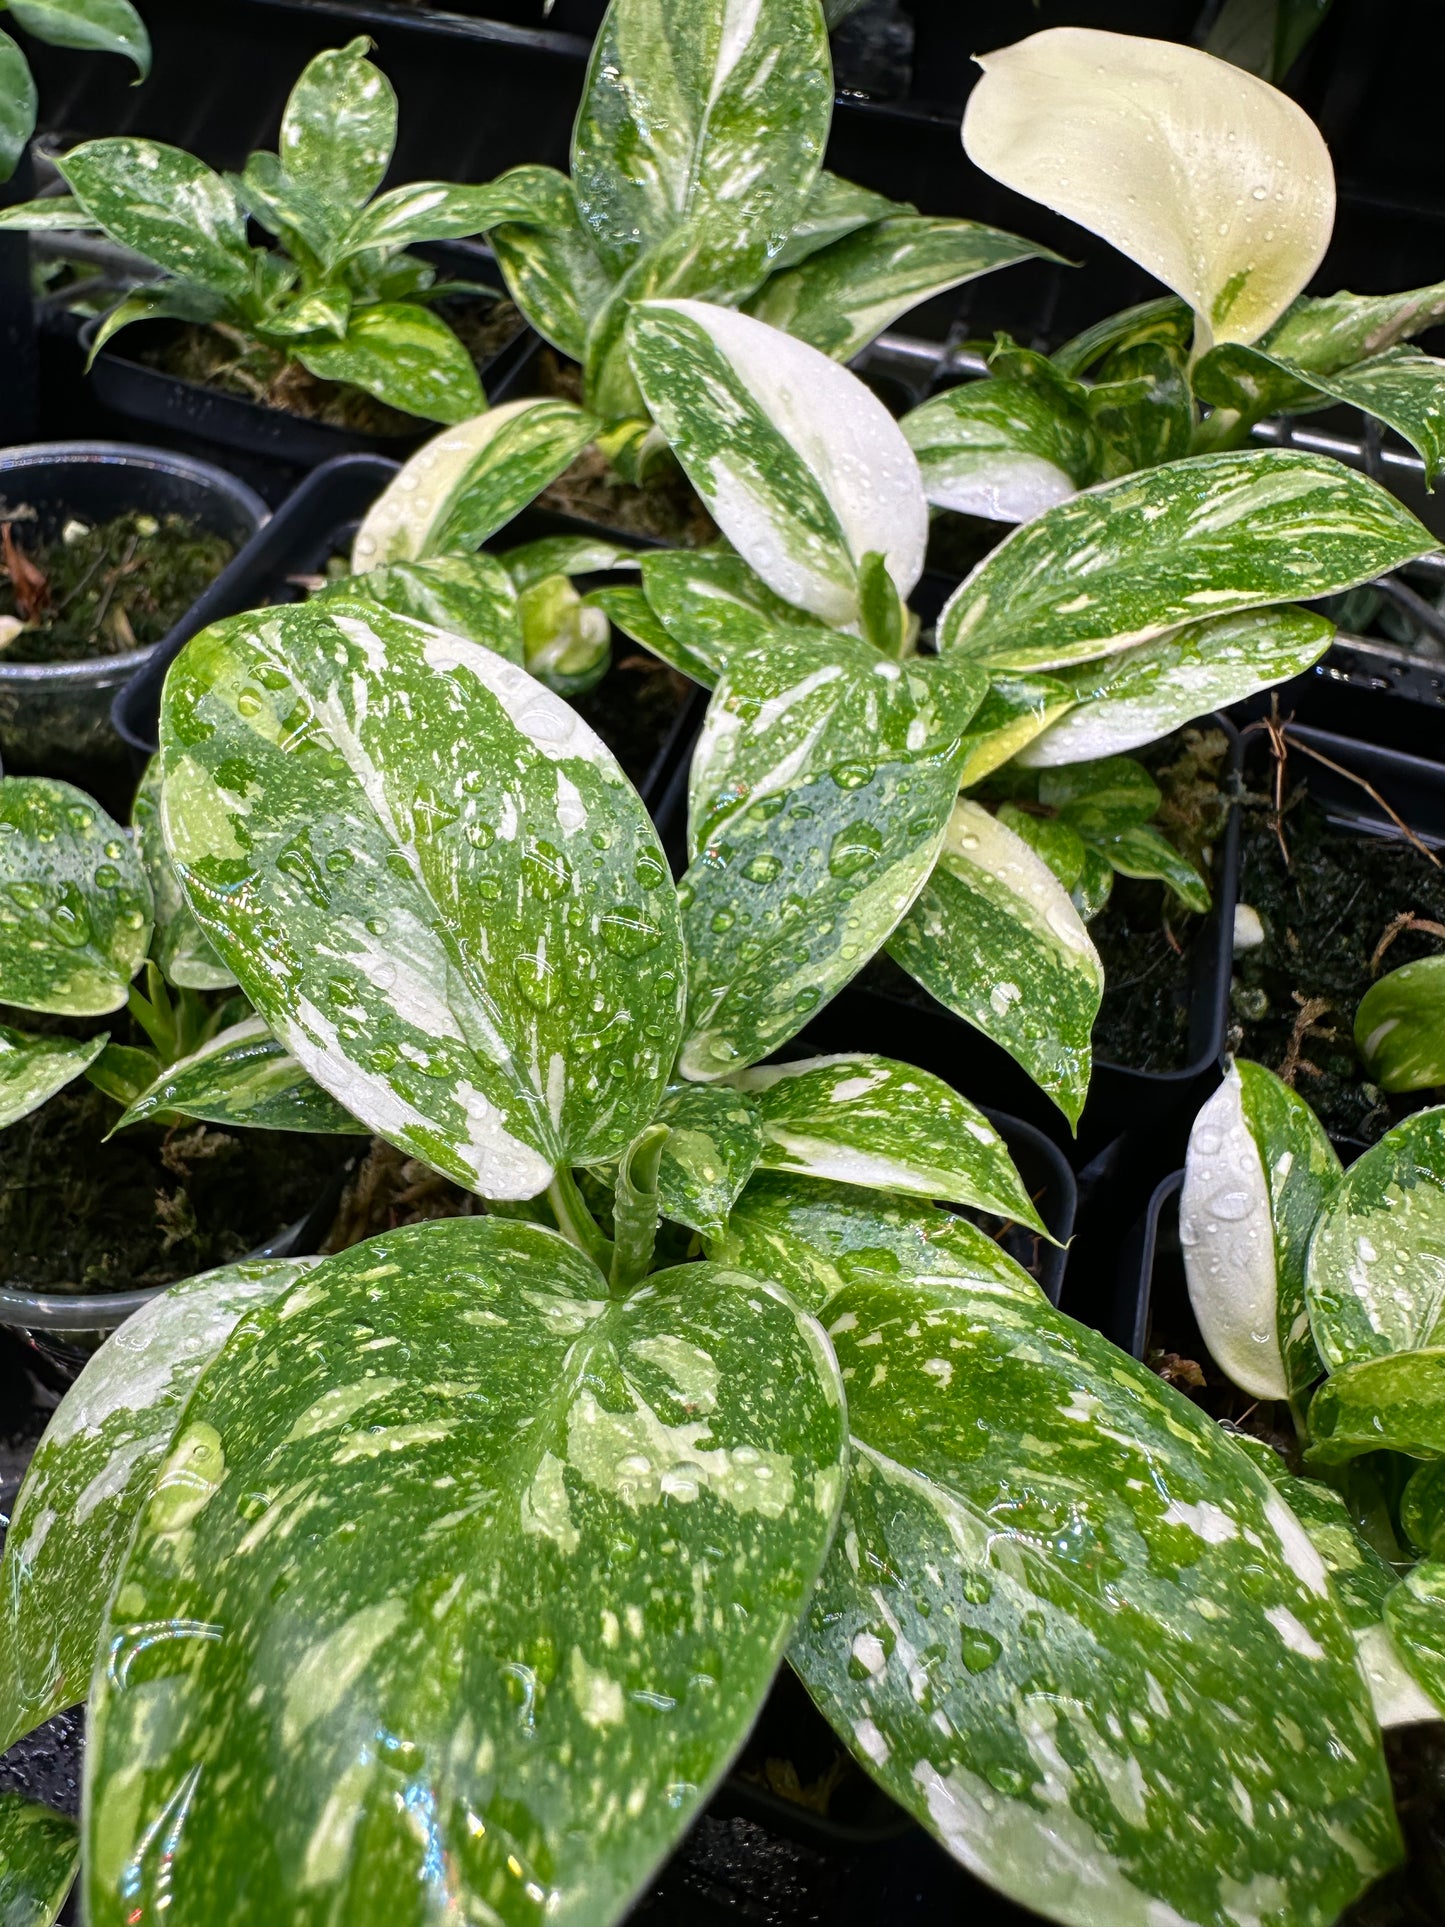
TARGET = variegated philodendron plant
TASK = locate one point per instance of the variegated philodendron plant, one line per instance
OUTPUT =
(1222, 188)
(441, 1579)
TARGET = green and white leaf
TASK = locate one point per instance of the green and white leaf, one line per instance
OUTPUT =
(714, 605)
(995, 938)
(714, 1142)
(19, 105)
(404, 355)
(92, 26)
(1400, 1027)
(572, 555)
(467, 595)
(166, 205)
(871, 1121)
(1362, 1580)
(470, 481)
(339, 129)
(1016, 709)
(1401, 387)
(1326, 333)
(628, 609)
(548, 259)
(1147, 853)
(1376, 1279)
(244, 1077)
(177, 944)
(1003, 449)
(1394, 1403)
(1128, 561)
(75, 905)
(834, 207)
(433, 882)
(820, 789)
(1259, 1173)
(33, 1069)
(427, 211)
(803, 468)
(39, 1855)
(92, 1473)
(568, 1529)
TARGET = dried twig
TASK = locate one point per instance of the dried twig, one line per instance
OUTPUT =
(29, 582)
(1305, 1026)
(1407, 920)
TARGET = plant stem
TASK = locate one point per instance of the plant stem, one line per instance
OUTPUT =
(634, 1210)
(575, 1221)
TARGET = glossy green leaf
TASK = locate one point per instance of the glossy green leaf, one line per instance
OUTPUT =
(39, 1855)
(243, 1077)
(1101, 797)
(93, 26)
(1066, 1621)
(1051, 838)
(844, 296)
(1001, 449)
(467, 595)
(1403, 388)
(339, 128)
(297, 218)
(1329, 332)
(834, 207)
(167, 206)
(1265, 37)
(713, 1148)
(1094, 886)
(1147, 853)
(75, 906)
(1015, 710)
(1415, 1617)
(57, 213)
(566, 641)
(571, 555)
(1400, 1027)
(1361, 1578)
(803, 468)
(178, 946)
(995, 938)
(1422, 1510)
(470, 481)
(1142, 694)
(171, 301)
(19, 104)
(871, 1121)
(551, 267)
(1141, 408)
(1165, 319)
(553, 1548)
(404, 355)
(433, 882)
(710, 111)
(1259, 1173)
(1394, 1403)
(33, 1069)
(92, 1473)
(1126, 562)
(123, 1071)
(714, 605)
(1377, 1265)
(820, 789)
(628, 609)
(426, 211)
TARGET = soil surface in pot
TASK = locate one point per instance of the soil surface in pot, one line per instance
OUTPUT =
(100, 589)
(1339, 909)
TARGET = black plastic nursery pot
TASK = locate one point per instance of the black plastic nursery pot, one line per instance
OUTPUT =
(55, 716)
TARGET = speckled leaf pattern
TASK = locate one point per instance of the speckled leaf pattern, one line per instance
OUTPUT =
(1334, 331)
(39, 1854)
(1415, 1620)
(713, 1148)
(427, 211)
(1377, 1264)
(1360, 1577)
(165, 205)
(33, 1069)
(339, 128)
(814, 1237)
(470, 481)
(834, 207)
(1066, 1624)
(550, 265)
(1123, 701)
(872, 1121)
(709, 111)
(1422, 1510)
(1125, 562)
(628, 609)
(803, 468)
(553, 1548)
(93, 1472)
(842, 298)
(75, 906)
(820, 789)
(404, 355)
(995, 938)
(571, 555)
(1394, 1403)
(242, 1076)
(1400, 1027)
(467, 595)
(1402, 388)
(433, 882)
(712, 603)
(93, 26)
(177, 944)
(1015, 710)
(1003, 449)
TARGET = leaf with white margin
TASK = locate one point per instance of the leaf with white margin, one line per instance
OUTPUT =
(844, 296)
(39, 1856)
(1400, 1027)
(813, 1238)
(820, 789)
(1415, 1621)
(714, 112)
(713, 604)
(562, 1526)
(1258, 1174)
(995, 938)
(178, 945)
(858, 1119)
(33, 1069)
(433, 882)
(1128, 561)
(1066, 1620)
(1376, 1281)
(1213, 181)
(469, 481)
(1002, 449)
(1326, 333)
(1015, 710)
(243, 1077)
(91, 1474)
(1124, 701)
(572, 555)
(75, 905)
(802, 467)
(1397, 1697)
(467, 595)
(339, 129)
(714, 1142)
(1394, 1403)
(834, 207)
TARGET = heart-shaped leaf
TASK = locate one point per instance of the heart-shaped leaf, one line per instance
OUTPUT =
(75, 906)
(995, 938)
(467, 595)
(243, 1076)
(39, 1854)
(1002, 449)
(1259, 1173)
(1400, 1027)
(1066, 1622)
(547, 257)
(714, 1142)
(1214, 182)
(802, 467)
(178, 946)
(167, 206)
(470, 481)
(820, 790)
(92, 1473)
(433, 882)
(404, 355)
(554, 1546)
(33, 1069)
(1394, 1403)
(1133, 559)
